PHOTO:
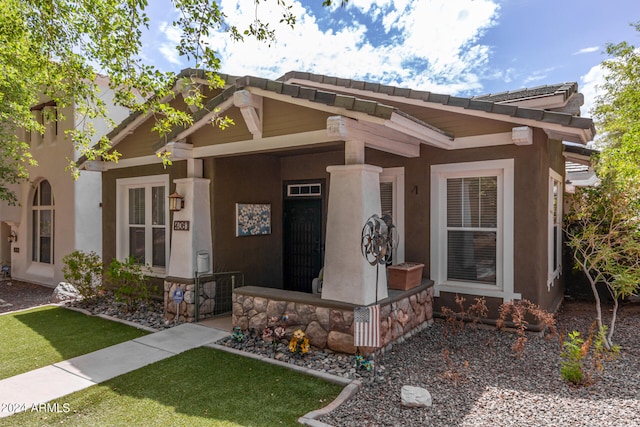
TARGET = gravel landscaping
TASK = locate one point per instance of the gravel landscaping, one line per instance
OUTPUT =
(481, 383)
(474, 377)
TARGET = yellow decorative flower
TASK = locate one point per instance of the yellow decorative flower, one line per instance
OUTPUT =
(298, 334)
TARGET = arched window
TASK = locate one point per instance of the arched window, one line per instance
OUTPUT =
(42, 224)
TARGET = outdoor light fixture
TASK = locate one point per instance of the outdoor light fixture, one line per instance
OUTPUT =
(176, 202)
(13, 237)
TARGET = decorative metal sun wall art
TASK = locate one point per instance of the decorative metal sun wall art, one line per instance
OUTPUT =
(379, 238)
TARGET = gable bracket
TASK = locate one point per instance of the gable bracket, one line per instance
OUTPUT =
(251, 108)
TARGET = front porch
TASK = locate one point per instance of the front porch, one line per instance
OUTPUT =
(328, 323)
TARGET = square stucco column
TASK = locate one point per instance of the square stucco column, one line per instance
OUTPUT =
(354, 195)
(185, 244)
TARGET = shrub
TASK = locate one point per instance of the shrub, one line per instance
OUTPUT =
(517, 311)
(577, 352)
(84, 271)
(572, 364)
(454, 321)
(129, 281)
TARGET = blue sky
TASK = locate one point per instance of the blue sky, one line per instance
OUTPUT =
(460, 47)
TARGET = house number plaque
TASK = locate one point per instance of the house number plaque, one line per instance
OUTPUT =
(181, 225)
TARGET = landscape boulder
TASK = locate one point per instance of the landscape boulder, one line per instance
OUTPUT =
(65, 292)
(415, 397)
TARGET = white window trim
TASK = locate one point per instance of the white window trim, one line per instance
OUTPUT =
(554, 271)
(396, 177)
(504, 170)
(122, 212)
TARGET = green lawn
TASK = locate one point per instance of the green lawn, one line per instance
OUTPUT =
(201, 387)
(35, 338)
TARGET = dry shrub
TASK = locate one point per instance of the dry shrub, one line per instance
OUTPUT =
(455, 320)
(516, 312)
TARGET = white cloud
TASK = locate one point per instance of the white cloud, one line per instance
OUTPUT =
(587, 50)
(590, 88)
(168, 48)
(434, 45)
(538, 75)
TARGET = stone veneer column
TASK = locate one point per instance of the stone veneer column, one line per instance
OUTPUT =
(185, 244)
(354, 195)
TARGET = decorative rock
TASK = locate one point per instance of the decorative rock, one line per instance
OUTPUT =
(190, 297)
(337, 321)
(247, 304)
(317, 335)
(206, 307)
(65, 292)
(209, 289)
(276, 309)
(260, 304)
(415, 397)
(341, 342)
(305, 312)
(258, 322)
(323, 315)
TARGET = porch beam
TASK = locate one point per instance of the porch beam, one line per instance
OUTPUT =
(426, 133)
(96, 166)
(373, 135)
(251, 108)
(178, 150)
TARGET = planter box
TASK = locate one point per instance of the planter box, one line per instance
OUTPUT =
(405, 276)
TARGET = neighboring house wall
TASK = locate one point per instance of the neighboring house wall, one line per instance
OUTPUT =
(75, 211)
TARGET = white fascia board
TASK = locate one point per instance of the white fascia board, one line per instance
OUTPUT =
(545, 102)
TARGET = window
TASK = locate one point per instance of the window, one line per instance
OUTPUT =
(555, 227)
(42, 220)
(472, 228)
(392, 203)
(142, 220)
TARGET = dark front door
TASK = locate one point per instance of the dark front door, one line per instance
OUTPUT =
(302, 243)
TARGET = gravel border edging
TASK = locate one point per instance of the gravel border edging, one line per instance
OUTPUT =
(107, 317)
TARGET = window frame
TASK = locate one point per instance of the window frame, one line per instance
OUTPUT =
(396, 177)
(123, 185)
(503, 169)
(554, 218)
(35, 225)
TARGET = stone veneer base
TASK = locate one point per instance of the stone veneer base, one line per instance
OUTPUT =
(329, 324)
(187, 308)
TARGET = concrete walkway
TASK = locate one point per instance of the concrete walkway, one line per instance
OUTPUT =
(42, 385)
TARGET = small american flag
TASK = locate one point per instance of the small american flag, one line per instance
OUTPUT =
(366, 326)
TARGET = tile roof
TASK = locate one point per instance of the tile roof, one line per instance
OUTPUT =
(486, 103)
(565, 89)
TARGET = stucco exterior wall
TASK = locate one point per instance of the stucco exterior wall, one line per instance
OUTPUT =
(109, 178)
(247, 179)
